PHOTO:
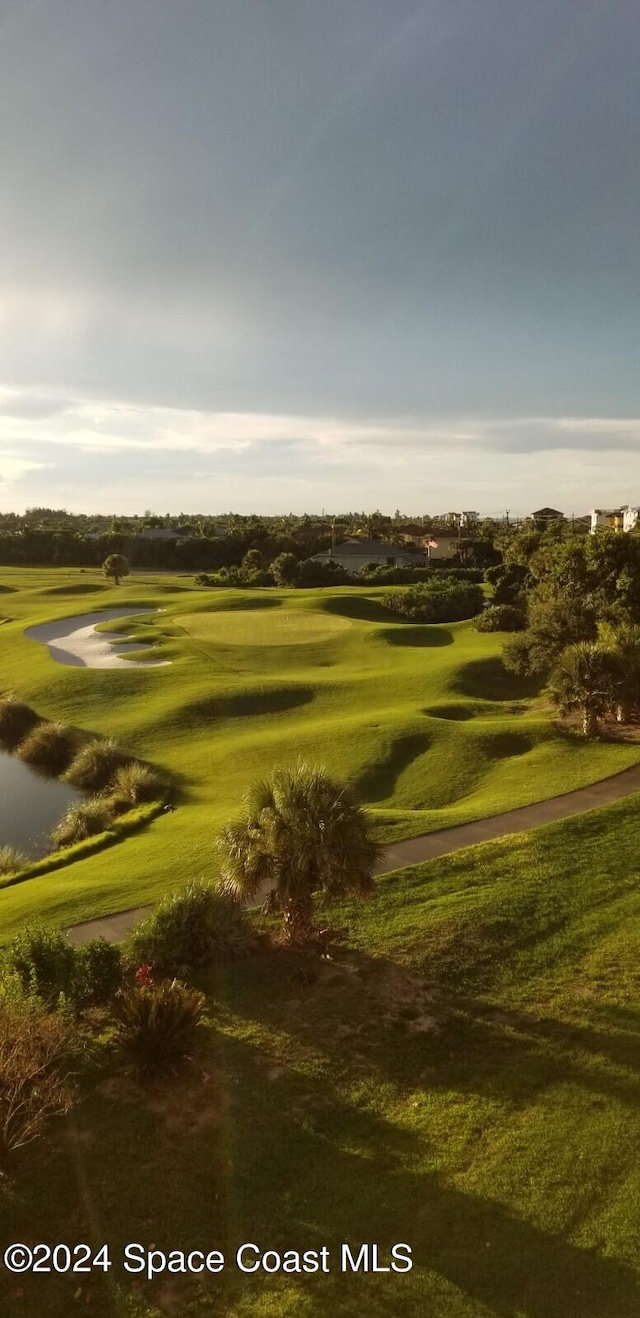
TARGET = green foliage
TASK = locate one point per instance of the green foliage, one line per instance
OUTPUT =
(44, 961)
(301, 835)
(81, 820)
(12, 860)
(115, 567)
(134, 784)
(98, 972)
(285, 570)
(190, 929)
(159, 1024)
(95, 765)
(16, 721)
(314, 574)
(557, 617)
(437, 601)
(510, 582)
(50, 747)
(501, 618)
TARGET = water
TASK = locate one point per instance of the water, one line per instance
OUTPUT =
(30, 806)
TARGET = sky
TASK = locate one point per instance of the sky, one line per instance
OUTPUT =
(283, 255)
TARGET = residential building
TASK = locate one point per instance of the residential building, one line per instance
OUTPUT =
(356, 552)
(606, 519)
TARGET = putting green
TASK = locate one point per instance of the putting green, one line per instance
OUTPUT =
(263, 627)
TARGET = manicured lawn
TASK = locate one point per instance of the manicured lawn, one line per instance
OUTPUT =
(464, 1075)
(423, 721)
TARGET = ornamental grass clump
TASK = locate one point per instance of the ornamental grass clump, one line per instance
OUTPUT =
(95, 764)
(134, 784)
(191, 929)
(82, 820)
(12, 860)
(17, 720)
(158, 1024)
(50, 747)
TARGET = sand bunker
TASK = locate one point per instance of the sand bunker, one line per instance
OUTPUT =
(75, 641)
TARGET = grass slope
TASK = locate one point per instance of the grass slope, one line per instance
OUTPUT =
(463, 1076)
(422, 720)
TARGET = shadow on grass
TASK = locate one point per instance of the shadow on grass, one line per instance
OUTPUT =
(374, 1179)
(377, 782)
(421, 636)
(81, 588)
(358, 607)
(455, 713)
(505, 745)
(488, 679)
(244, 704)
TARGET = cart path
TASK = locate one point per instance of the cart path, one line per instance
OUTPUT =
(427, 846)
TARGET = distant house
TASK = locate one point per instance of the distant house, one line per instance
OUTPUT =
(611, 519)
(356, 552)
(624, 518)
(544, 515)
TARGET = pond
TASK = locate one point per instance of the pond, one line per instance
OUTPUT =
(30, 806)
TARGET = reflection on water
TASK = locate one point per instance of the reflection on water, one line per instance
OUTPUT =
(30, 805)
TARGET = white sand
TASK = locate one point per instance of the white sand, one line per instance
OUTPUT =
(75, 641)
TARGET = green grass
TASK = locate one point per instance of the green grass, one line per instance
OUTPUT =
(423, 721)
(464, 1075)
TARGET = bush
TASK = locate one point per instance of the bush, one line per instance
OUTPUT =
(190, 929)
(501, 618)
(437, 601)
(12, 860)
(158, 1024)
(134, 784)
(98, 972)
(95, 765)
(44, 961)
(49, 747)
(33, 1083)
(81, 820)
(16, 721)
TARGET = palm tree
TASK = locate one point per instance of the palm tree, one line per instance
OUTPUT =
(624, 639)
(585, 678)
(301, 835)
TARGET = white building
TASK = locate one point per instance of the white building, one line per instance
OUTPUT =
(624, 518)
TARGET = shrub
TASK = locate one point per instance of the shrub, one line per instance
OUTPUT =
(44, 961)
(437, 601)
(50, 747)
(12, 860)
(95, 764)
(16, 721)
(190, 929)
(97, 972)
(33, 1083)
(81, 820)
(158, 1023)
(501, 618)
(133, 784)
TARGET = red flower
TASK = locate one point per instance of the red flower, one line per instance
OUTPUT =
(144, 976)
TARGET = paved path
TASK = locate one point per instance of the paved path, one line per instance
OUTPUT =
(429, 845)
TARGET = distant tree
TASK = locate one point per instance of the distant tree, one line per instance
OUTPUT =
(585, 678)
(301, 836)
(115, 567)
(252, 562)
(285, 570)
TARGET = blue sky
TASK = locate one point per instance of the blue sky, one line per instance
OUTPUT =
(282, 255)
